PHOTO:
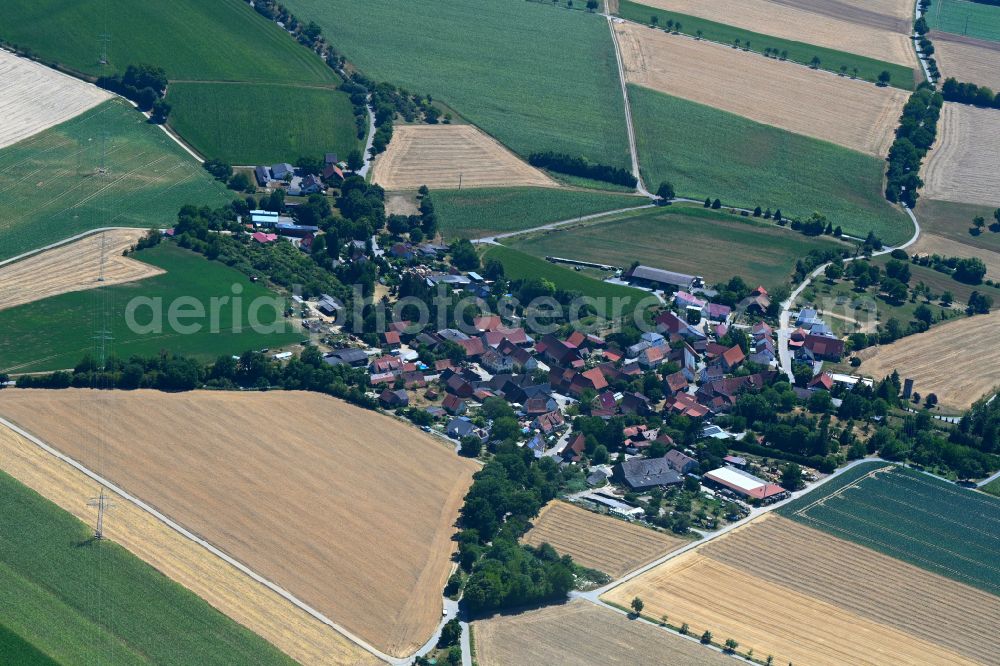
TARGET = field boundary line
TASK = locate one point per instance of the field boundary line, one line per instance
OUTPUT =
(630, 129)
(65, 241)
(396, 661)
(492, 240)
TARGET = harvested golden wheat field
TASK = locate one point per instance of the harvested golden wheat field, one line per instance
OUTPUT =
(266, 613)
(883, 589)
(34, 97)
(876, 30)
(959, 360)
(964, 165)
(73, 267)
(854, 114)
(580, 633)
(771, 618)
(438, 155)
(967, 58)
(351, 511)
(599, 542)
(933, 244)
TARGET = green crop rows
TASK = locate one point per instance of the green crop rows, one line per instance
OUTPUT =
(912, 516)
(961, 17)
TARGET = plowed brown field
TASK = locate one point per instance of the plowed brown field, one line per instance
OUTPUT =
(351, 511)
(438, 156)
(599, 542)
(854, 114)
(290, 629)
(964, 166)
(959, 361)
(771, 618)
(73, 267)
(583, 634)
(967, 58)
(873, 29)
(878, 587)
(34, 97)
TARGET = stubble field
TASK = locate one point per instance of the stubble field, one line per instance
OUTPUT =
(967, 59)
(34, 97)
(804, 611)
(877, 30)
(442, 156)
(320, 503)
(782, 94)
(580, 633)
(934, 244)
(220, 585)
(959, 374)
(74, 267)
(962, 166)
(599, 542)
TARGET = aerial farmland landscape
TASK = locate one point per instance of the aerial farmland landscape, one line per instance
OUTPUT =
(580, 332)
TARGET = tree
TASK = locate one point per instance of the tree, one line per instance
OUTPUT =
(731, 645)
(802, 373)
(777, 215)
(665, 192)
(716, 204)
(970, 270)
(637, 606)
(591, 5)
(161, 109)
(883, 78)
(464, 256)
(706, 637)
(684, 629)
(834, 271)
(600, 455)
(355, 160)
(708, 202)
(920, 26)
(220, 170)
(996, 216)
(757, 212)
(979, 222)
(931, 400)
(451, 633)
(791, 477)
(654, 19)
(924, 314)
(471, 446)
(240, 182)
(815, 62)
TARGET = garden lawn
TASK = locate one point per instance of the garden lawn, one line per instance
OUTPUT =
(685, 239)
(705, 152)
(482, 212)
(962, 17)
(536, 77)
(208, 42)
(55, 333)
(518, 265)
(51, 188)
(830, 59)
(912, 516)
(68, 599)
(226, 121)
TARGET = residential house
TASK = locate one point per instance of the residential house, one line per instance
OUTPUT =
(549, 422)
(556, 351)
(732, 357)
(675, 383)
(356, 358)
(686, 405)
(646, 473)
(635, 403)
(685, 300)
(821, 382)
(590, 379)
(681, 462)
(459, 386)
(263, 175)
(390, 399)
(473, 347)
(576, 449)
(460, 427)
(391, 339)
(496, 361)
(282, 171)
(487, 323)
(718, 312)
(454, 405)
(822, 348)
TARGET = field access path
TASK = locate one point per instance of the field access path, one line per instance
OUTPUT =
(633, 152)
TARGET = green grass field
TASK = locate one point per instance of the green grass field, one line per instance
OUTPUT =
(480, 212)
(801, 52)
(954, 221)
(56, 332)
(228, 119)
(705, 152)
(519, 265)
(561, 93)
(51, 188)
(965, 18)
(210, 42)
(67, 599)
(993, 487)
(685, 239)
(911, 516)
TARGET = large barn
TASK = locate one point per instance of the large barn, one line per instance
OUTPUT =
(745, 484)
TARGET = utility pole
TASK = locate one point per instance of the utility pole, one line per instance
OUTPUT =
(104, 242)
(102, 502)
(459, 181)
(105, 39)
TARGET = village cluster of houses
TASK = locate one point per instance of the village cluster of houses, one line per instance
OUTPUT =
(285, 175)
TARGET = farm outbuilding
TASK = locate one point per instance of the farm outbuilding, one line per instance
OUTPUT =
(745, 484)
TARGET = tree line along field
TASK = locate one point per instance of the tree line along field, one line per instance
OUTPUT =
(911, 516)
(55, 333)
(225, 41)
(52, 187)
(580, 633)
(781, 94)
(475, 213)
(682, 238)
(560, 95)
(962, 17)
(877, 31)
(706, 152)
(247, 123)
(69, 599)
(367, 545)
(832, 59)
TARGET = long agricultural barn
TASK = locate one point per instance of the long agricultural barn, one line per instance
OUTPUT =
(745, 484)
